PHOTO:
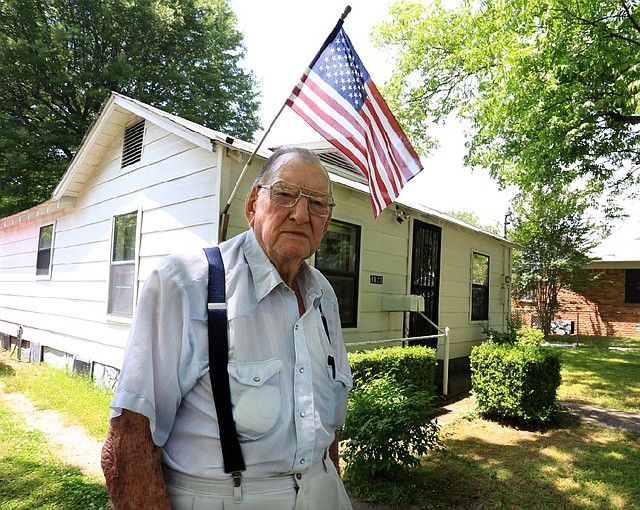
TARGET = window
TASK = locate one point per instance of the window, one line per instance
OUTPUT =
(479, 287)
(122, 271)
(632, 285)
(338, 260)
(45, 245)
(132, 146)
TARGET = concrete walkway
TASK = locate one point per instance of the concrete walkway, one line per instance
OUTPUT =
(603, 417)
(589, 414)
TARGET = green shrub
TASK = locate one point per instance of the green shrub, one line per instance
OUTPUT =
(515, 381)
(388, 429)
(415, 365)
(529, 336)
(388, 426)
(514, 324)
(499, 337)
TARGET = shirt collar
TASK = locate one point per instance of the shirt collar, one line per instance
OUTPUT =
(266, 277)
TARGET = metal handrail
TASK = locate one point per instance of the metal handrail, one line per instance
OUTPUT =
(443, 333)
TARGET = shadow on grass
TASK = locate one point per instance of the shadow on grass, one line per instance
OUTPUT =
(560, 469)
(29, 485)
(491, 465)
(7, 370)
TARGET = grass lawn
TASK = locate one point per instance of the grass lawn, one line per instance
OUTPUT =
(571, 467)
(31, 478)
(79, 401)
(601, 377)
(485, 465)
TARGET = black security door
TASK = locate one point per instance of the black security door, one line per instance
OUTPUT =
(425, 279)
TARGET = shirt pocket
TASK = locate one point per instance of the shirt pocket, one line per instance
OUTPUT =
(256, 397)
(339, 384)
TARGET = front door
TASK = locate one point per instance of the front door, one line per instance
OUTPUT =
(425, 280)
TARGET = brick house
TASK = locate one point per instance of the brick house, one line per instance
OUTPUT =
(611, 307)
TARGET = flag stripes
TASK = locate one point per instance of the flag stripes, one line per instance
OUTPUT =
(337, 98)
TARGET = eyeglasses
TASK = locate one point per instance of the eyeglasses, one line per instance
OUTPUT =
(287, 195)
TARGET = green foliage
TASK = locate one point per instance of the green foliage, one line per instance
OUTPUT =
(388, 429)
(515, 381)
(556, 235)
(514, 323)
(59, 60)
(474, 219)
(550, 88)
(415, 365)
(514, 335)
(499, 337)
(388, 426)
(529, 336)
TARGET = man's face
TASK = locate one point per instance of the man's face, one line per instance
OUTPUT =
(288, 235)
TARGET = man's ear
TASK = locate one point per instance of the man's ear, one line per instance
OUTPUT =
(250, 205)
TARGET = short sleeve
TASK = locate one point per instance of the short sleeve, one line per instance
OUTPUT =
(161, 360)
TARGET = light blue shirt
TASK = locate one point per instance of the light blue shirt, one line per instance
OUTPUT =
(287, 399)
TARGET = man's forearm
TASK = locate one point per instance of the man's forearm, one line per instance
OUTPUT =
(131, 463)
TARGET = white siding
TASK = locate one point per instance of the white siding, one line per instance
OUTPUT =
(179, 189)
(174, 188)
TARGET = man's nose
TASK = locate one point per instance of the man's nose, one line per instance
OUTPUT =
(300, 211)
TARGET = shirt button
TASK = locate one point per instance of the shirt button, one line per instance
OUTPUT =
(301, 370)
(256, 379)
(303, 414)
(298, 476)
(301, 461)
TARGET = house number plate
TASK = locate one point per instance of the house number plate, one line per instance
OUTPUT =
(376, 279)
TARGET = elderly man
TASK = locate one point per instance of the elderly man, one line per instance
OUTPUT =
(288, 370)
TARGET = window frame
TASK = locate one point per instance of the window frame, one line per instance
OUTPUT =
(632, 286)
(476, 287)
(132, 263)
(351, 278)
(39, 251)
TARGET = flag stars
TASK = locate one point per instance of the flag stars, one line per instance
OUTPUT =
(340, 68)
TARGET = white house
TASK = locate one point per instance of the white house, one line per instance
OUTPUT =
(145, 183)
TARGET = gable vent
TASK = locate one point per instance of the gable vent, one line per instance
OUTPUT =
(337, 160)
(132, 147)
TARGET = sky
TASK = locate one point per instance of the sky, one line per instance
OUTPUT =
(283, 36)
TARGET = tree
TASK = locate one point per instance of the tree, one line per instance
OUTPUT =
(551, 88)
(473, 219)
(59, 60)
(556, 233)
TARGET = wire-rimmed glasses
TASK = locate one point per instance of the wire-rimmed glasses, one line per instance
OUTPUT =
(287, 195)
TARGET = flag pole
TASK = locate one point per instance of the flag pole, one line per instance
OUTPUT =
(224, 217)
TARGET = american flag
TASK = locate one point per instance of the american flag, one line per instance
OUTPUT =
(337, 97)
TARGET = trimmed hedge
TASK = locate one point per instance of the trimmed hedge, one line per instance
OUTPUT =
(415, 365)
(515, 381)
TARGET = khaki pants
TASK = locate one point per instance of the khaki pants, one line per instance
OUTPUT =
(318, 489)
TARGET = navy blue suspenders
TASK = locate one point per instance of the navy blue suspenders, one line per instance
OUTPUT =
(218, 360)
